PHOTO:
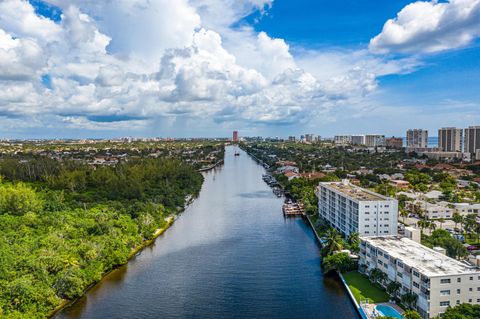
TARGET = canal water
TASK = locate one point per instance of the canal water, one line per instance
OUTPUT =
(231, 254)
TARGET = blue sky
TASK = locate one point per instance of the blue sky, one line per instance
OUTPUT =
(207, 67)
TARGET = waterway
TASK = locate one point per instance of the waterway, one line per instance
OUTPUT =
(231, 254)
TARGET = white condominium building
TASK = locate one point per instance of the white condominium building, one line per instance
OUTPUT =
(438, 281)
(350, 209)
(358, 139)
(417, 138)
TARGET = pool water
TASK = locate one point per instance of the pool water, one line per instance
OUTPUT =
(388, 311)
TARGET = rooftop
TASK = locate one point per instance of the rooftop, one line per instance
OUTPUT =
(426, 260)
(355, 192)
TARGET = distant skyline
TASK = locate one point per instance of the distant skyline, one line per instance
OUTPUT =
(186, 68)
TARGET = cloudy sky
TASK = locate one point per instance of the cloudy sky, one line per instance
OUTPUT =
(89, 68)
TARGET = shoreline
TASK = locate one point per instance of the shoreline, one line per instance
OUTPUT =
(211, 166)
(146, 243)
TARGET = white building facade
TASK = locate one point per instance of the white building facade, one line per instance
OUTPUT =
(437, 280)
(350, 209)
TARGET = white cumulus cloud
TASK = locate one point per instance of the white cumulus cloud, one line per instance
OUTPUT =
(428, 27)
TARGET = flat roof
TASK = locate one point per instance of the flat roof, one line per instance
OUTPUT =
(355, 192)
(428, 261)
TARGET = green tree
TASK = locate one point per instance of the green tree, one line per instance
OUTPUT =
(333, 242)
(393, 288)
(462, 311)
(354, 242)
(378, 276)
(457, 219)
(340, 262)
(411, 314)
(19, 199)
(409, 299)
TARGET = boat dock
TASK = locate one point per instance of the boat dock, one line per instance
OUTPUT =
(293, 209)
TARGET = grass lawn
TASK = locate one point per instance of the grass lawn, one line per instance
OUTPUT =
(361, 287)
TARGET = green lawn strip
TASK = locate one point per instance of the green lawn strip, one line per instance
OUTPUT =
(362, 288)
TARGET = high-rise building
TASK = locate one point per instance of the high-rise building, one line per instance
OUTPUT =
(394, 142)
(417, 138)
(450, 139)
(311, 138)
(342, 139)
(374, 140)
(472, 139)
(351, 209)
(291, 138)
(235, 136)
(358, 139)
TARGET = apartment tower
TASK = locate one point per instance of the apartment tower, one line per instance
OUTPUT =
(417, 138)
(450, 139)
(472, 139)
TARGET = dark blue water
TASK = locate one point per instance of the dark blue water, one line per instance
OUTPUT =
(230, 255)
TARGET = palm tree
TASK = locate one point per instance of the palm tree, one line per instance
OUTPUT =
(333, 242)
(431, 225)
(354, 242)
(377, 276)
(441, 221)
(403, 214)
(469, 223)
(393, 288)
(422, 223)
(409, 299)
(457, 219)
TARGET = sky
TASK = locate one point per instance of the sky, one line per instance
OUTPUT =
(203, 68)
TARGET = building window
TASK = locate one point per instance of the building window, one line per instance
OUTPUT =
(459, 279)
(444, 281)
(445, 292)
(458, 291)
(470, 289)
(444, 303)
(471, 278)
(416, 285)
(416, 274)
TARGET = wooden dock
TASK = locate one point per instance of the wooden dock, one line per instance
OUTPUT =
(293, 209)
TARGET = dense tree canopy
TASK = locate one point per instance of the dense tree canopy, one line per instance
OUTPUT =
(463, 311)
(63, 225)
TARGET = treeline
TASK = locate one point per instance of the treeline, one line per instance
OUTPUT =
(62, 225)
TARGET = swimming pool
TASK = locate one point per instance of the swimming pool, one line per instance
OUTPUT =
(385, 310)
